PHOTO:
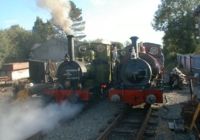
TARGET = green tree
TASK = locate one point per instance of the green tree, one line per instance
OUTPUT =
(15, 44)
(78, 23)
(172, 10)
(5, 46)
(175, 18)
(21, 43)
(42, 31)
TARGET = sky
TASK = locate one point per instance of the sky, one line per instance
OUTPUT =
(113, 20)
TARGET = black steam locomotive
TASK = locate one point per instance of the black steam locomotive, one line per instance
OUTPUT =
(82, 80)
(138, 74)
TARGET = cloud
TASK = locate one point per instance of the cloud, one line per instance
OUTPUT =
(118, 20)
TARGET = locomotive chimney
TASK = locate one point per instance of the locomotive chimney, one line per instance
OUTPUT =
(134, 45)
(71, 47)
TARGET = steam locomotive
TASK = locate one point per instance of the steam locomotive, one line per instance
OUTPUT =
(138, 74)
(84, 79)
(131, 75)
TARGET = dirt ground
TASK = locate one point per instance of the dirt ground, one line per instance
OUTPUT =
(170, 112)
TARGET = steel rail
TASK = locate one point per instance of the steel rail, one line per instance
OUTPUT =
(144, 125)
(106, 132)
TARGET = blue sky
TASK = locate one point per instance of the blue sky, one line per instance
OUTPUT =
(22, 12)
(114, 20)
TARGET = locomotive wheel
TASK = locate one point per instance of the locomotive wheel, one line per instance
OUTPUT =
(74, 98)
(48, 99)
(151, 99)
(115, 98)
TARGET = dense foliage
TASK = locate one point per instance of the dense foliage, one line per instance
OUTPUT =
(78, 23)
(176, 19)
(15, 44)
(42, 31)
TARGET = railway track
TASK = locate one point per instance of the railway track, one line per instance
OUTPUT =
(37, 136)
(132, 124)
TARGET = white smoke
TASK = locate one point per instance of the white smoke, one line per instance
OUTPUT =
(59, 10)
(19, 121)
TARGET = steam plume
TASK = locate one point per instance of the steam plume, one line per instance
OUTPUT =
(22, 120)
(59, 10)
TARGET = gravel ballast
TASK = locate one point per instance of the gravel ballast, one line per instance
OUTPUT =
(87, 125)
(170, 111)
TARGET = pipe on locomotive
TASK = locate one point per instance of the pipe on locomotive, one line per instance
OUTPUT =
(70, 41)
(134, 52)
